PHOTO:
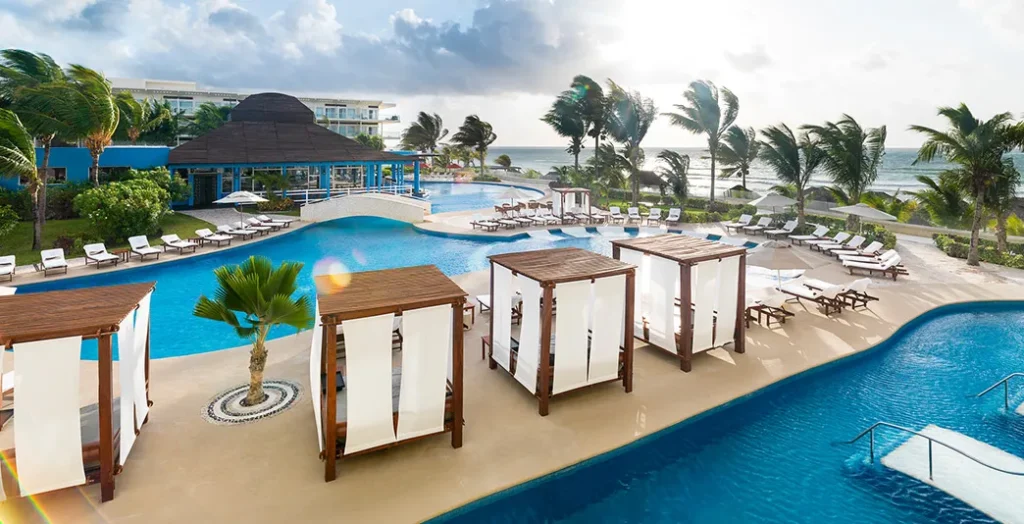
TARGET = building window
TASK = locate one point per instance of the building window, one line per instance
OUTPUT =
(371, 131)
(319, 112)
(227, 182)
(58, 175)
(346, 177)
(181, 105)
(303, 178)
(331, 112)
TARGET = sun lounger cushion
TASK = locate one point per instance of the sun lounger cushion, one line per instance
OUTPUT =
(53, 258)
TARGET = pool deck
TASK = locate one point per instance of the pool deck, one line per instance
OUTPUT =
(184, 469)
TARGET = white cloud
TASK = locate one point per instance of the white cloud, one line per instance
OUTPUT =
(1002, 16)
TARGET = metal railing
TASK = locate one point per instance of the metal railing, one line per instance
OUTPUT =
(931, 440)
(1005, 382)
(320, 195)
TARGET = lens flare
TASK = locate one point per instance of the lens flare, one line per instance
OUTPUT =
(338, 276)
(359, 257)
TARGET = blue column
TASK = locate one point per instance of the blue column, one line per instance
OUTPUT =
(237, 184)
(191, 190)
(326, 172)
(416, 177)
(368, 174)
(220, 182)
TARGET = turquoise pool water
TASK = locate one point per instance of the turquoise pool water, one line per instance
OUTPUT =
(446, 196)
(773, 455)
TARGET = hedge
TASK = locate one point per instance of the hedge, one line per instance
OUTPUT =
(959, 247)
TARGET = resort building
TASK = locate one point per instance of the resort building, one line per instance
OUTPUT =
(347, 117)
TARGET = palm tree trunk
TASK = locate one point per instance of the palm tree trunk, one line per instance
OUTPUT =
(973, 256)
(257, 361)
(44, 173)
(1001, 243)
(94, 170)
(800, 206)
(576, 160)
(482, 156)
(713, 150)
(634, 176)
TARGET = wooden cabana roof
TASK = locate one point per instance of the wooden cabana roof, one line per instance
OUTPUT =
(681, 248)
(385, 291)
(57, 314)
(272, 128)
(553, 266)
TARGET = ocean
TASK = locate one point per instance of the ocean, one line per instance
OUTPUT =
(897, 172)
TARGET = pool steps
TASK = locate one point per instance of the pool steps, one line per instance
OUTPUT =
(992, 492)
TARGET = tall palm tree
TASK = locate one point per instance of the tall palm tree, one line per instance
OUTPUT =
(944, 200)
(425, 134)
(139, 116)
(595, 111)
(629, 119)
(852, 156)
(977, 148)
(1000, 200)
(738, 150)
(476, 134)
(707, 111)
(567, 117)
(898, 207)
(21, 72)
(615, 164)
(207, 117)
(793, 159)
(674, 172)
(253, 298)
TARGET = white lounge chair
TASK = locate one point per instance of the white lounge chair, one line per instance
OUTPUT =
(506, 223)
(760, 226)
(534, 215)
(487, 225)
(874, 248)
(7, 291)
(7, 267)
(826, 298)
(633, 214)
(615, 215)
(228, 230)
(818, 234)
(840, 237)
(286, 222)
(255, 222)
(854, 243)
(888, 267)
(654, 215)
(551, 219)
(141, 248)
(743, 222)
(209, 236)
(854, 293)
(181, 245)
(53, 260)
(260, 230)
(675, 215)
(786, 229)
(597, 215)
(867, 259)
(97, 254)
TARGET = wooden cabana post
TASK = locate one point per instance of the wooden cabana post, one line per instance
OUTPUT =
(563, 192)
(725, 267)
(586, 345)
(86, 314)
(363, 314)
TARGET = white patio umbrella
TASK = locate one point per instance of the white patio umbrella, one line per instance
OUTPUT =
(513, 193)
(240, 197)
(774, 255)
(771, 201)
(865, 211)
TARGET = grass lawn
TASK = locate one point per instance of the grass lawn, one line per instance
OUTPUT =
(19, 242)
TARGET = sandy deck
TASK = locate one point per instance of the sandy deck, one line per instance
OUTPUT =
(184, 469)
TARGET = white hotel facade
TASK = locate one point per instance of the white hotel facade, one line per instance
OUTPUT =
(346, 117)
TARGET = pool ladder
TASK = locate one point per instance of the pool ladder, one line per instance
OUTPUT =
(1005, 382)
(870, 432)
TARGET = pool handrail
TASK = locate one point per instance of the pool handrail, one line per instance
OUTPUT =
(871, 431)
(1006, 389)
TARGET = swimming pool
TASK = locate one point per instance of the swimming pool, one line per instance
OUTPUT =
(771, 457)
(448, 196)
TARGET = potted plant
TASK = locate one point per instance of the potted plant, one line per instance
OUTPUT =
(253, 297)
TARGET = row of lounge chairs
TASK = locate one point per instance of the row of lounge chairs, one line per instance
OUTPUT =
(514, 218)
(831, 298)
(54, 261)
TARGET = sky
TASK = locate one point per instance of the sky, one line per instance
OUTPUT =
(885, 62)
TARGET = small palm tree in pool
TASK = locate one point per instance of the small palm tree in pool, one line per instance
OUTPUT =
(253, 297)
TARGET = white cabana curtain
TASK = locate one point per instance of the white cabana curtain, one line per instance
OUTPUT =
(426, 345)
(728, 279)
(661, 309)
(556, 204)
(369, 399)
(528, 358)
(637, 259)
(315, 386)
(48, 432)
(141, 335)
(126, 375)
(571, 336)
(606, 320)
(501, 314)
(704, 299)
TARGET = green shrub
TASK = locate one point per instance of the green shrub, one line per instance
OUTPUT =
(20, 201)
(119, 210)
(60, 200)
(959, 247)
(717, 207)
(65, 243)
(531, 173)
(486, 178)
(8, 219)
(276, 204)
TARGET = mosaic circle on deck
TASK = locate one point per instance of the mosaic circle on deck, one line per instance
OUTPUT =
(226, 408)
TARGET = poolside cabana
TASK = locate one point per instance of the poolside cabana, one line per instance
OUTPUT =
(57, 443)
(690, 293)
(373, 397)
(594, 296)
(569, 198)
